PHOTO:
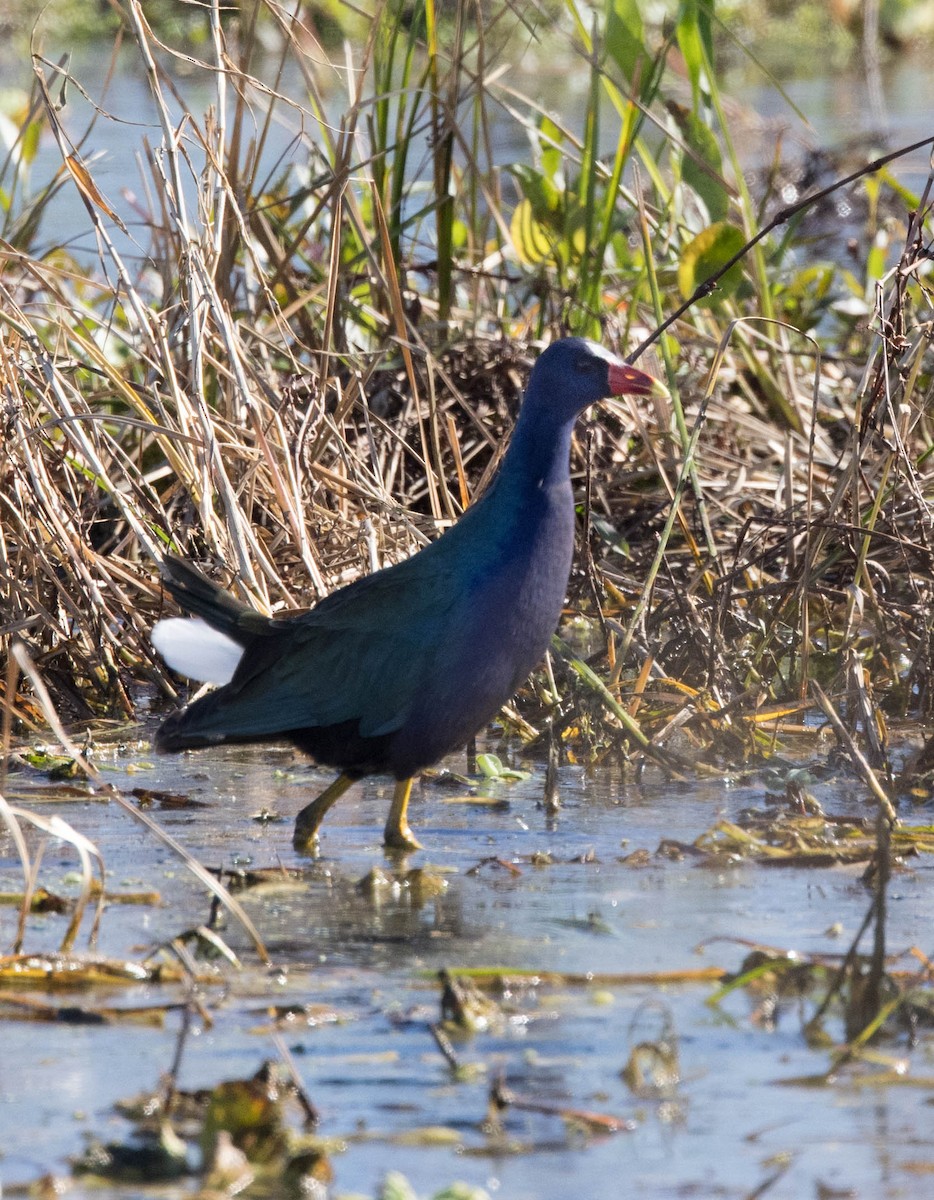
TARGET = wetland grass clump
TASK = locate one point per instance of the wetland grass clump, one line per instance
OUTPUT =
(295, 356)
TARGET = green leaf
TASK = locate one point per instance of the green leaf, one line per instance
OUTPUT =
(537, 224)
(534, 242)
(396, 1187)
(805, 297)
(909, 198)
(705, 25)
(705, 255)
(695, 42)
(29, 142)
(541, 193)
(625, 36)
(877, 260)
(550, 138)
(702, 142)
(491, 766)
(460, 234)
(462, 1191)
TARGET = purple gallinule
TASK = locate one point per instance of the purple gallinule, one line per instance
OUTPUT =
(402, 667)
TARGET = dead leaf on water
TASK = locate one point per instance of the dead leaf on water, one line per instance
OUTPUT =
(25, 1008)
(428, 1135)
(779, 838)
(497, 803)
(170, 801)
(293, 1017)
(589, 1122)
(509, 978)
(41, 901)
(73, 970)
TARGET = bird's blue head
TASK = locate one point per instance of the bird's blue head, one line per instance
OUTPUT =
(573, 373)
(568, 377)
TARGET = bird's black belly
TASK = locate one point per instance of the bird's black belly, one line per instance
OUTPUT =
(402, 753)
(342, 746)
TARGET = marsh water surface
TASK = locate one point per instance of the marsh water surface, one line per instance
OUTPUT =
(520, 890)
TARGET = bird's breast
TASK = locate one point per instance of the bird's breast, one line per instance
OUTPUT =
(498, 631)
(522, 587)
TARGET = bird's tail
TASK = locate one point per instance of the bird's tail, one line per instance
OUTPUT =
(192, 647)
(202, 597)
(208, 648)
(199, 724)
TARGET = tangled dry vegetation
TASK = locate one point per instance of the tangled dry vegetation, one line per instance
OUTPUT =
(312, 368)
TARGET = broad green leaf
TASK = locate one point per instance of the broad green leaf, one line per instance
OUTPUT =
(706, 254)
(550, 138)
(702, 142)
(542, 194)
(491, 766)
(534, 242)
(537, 221)
(625, 36)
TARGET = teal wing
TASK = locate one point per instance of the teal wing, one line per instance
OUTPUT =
(362, 654)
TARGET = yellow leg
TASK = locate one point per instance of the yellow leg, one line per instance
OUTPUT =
(397, 834)
(309, 819)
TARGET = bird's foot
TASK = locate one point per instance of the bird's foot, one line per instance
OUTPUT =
(398, 836)
(305, 838)
(308, 821)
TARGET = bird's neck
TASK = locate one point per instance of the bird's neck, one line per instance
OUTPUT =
(539, 452)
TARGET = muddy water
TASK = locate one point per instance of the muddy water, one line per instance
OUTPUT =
(376, 1075)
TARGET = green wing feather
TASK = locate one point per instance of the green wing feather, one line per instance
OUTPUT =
(349, 658)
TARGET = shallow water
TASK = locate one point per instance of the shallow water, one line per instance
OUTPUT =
(815, 109)
(377, 1077)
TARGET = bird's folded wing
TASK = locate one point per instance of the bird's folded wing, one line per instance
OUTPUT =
(362, 654)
